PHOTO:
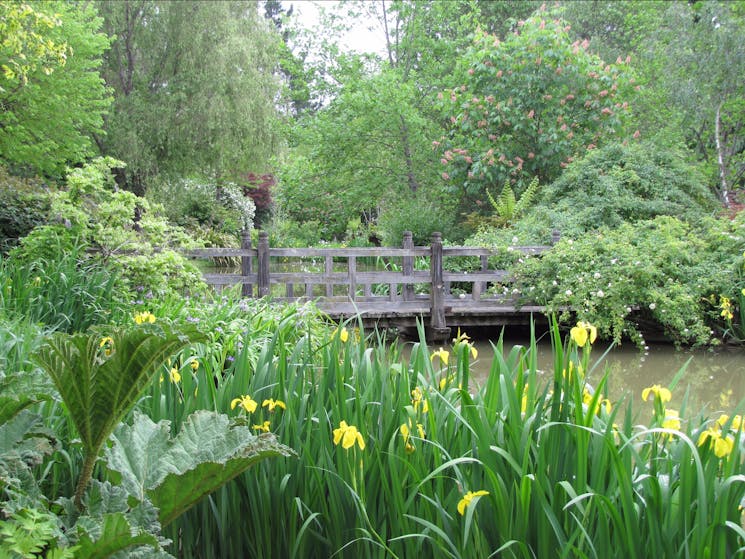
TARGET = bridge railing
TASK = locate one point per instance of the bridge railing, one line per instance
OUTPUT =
(343, 283)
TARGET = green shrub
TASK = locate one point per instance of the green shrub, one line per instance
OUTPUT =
(92, 215)
(657, 272)
(286, 232)
(420, 214)
(24, 204)
(160, 273)
(626, 183)
(209, 238)
(199, 202)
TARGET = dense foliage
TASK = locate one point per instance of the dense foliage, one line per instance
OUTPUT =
(125, 232)
(51, 94)
(627, 279)
(24, 204)
(398, 457)
(193, 88)
(621, 184)
(528, 105)
(128, 391)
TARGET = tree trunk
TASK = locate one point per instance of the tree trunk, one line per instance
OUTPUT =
(724, 193)
(410, 176)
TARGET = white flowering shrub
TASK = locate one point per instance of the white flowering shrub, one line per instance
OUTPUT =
(661, 274)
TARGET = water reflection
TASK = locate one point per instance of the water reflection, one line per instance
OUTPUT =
(715, 379)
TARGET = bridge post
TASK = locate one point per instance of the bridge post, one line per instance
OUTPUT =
(247, 289)
(438, 328)
(263, 261)
(408, 265)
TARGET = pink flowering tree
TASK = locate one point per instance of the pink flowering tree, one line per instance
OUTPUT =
(528, 106)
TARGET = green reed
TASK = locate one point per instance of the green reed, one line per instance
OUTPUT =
(530, 464)
(540, 464)
(69, 292)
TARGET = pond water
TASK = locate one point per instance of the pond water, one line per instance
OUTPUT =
(716, 379)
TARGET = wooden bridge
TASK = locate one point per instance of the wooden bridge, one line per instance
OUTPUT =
(412, 285)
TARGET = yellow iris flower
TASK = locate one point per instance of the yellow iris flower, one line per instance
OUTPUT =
(417, 400)
(271, 403)
(722, 445)
(582, 332)
(468, 498)
(672, 420)
(463, 338)
(263, 427)
(443, 354)
(658, 392)
(405, 431)
(406, 434)
(343, 335)
(348, 435)
(246, 402)
(601, 404)
(143, 317)
(174, 376)
(107, 344)
(726, 306)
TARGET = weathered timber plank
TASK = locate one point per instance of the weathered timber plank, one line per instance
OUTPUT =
(371, 252)
(329, 267)
(408, 266)
(343, 277)
(352, 268)
(438, 322)
(227, 279)
(491, 275)
(484, 251)
(209, 252)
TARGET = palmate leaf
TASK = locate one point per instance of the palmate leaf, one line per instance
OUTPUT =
(100, 387)
(175, 473)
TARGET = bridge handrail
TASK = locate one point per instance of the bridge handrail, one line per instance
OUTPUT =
(437, 278)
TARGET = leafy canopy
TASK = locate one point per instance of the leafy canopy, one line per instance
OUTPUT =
(528, 105)
(194, 87)
(51, 93)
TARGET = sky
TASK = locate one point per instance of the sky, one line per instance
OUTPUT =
(359, 39)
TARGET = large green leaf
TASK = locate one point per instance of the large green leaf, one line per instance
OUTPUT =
(24, 443)
(11, 406)
(19, 390)
(116, 534)
(175, 473)
(25, 437)
(99, 384)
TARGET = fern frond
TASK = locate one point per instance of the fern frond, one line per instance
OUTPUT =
(507, 203)
(492, 201)
(527, 198)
